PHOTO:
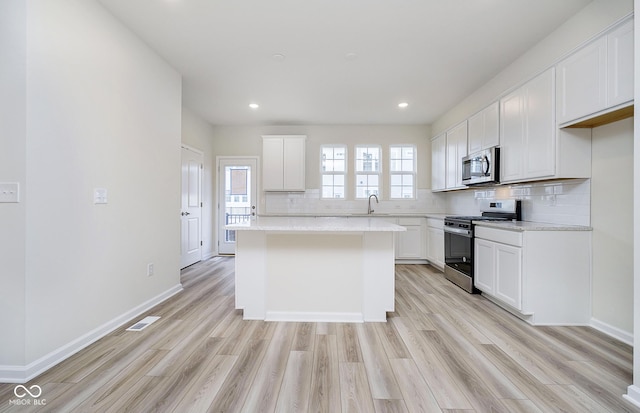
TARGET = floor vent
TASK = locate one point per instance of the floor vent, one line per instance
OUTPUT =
(142, 324)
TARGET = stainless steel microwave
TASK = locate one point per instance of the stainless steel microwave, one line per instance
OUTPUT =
(481, 168)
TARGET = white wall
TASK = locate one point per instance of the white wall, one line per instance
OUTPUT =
(590, 21)
(13, 37)
(102, 111)
(633, 391)
(198, 134)
(612, 215)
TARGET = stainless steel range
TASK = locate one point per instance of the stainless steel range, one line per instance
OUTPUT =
(458, 239)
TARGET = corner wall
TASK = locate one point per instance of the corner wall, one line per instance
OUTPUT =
(611, 217)
(103, 111)
(198, 134)
(633, 391)
(13, 46)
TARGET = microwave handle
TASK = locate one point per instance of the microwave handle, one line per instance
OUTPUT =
(486, 161)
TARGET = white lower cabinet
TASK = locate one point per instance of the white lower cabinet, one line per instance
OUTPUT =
(485, 265)
(410, 245)
(498, 271)
(543, 276)
(435, 242)
(509, 275)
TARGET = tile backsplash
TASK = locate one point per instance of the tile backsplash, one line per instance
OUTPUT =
(309, 202)
(557, 202)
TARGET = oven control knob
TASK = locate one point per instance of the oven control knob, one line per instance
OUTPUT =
(464, 259)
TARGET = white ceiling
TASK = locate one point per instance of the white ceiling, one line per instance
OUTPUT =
(345, 61)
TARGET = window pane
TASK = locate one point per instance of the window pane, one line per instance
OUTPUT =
(339, 166)
(395, 152)
(338, 180)
(327, 192)
(367, 159)
(396, 192)
(395, 165)
(373, 180)
(396, 180)
(407, 180)
(407, 166)
(327, 152)
(407, 152)
(327, 180)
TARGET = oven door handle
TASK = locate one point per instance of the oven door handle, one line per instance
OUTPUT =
(458, 231)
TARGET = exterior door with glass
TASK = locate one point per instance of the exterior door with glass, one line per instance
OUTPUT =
(238, 198)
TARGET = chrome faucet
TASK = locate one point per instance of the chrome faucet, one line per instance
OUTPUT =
(369, 210)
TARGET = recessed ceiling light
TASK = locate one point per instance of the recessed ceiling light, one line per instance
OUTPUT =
(278, 57)
(254, 105)
(403, 105)
(351, 56)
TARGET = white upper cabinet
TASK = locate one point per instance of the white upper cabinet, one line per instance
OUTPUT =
(456, 149)
(620, 65)
(484, 128)
(597, 78)
(527, 131)
(512, 124)
(438, 163)
(283, 163)
(540, 127)
(582, 80)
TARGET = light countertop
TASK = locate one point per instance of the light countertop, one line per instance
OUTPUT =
(318, 224)
(355, 214)
(531, 226)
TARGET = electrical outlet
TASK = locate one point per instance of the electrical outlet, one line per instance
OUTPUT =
(149, 269)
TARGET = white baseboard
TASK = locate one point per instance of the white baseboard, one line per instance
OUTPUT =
(208, 255)
(612, 331)
(314, 317)
(22, 374)
(633, 395)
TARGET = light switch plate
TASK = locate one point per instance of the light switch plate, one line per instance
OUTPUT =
(100, 196)
(9, 192)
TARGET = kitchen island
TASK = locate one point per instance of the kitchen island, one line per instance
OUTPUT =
(315, 269)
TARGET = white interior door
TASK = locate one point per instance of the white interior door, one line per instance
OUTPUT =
(238, 197)
(191, 209)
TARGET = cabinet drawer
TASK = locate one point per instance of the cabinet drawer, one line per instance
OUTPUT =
(435, 223)
(502, 236)
(409, 221)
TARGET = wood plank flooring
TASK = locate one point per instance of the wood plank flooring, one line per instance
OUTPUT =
(442, 350)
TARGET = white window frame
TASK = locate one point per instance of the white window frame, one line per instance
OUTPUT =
(402, 173)
(333, 173)
(361, 171)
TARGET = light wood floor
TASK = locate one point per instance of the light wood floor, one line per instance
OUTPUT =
(441, 350)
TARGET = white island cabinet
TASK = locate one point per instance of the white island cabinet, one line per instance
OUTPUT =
(315, 269)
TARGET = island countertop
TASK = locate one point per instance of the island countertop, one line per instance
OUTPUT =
(318, 224)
